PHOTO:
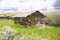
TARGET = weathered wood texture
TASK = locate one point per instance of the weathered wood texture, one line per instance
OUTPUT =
(30, 20)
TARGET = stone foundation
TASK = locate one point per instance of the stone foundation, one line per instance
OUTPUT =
(40, 25)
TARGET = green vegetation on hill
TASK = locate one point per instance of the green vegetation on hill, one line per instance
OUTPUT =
(9, 14)
(54, 17)
(32, 33)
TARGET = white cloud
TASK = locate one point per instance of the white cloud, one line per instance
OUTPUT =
(34, 4)
(49, 4)
(23, 5)
(9, 3)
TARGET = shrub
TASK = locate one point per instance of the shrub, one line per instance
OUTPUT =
(54, 18)
(6, 33)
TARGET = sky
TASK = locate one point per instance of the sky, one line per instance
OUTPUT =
(27, 5)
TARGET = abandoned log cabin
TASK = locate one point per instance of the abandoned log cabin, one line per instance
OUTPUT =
(29, 19)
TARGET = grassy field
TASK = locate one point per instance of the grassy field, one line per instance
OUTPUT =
(33, 33)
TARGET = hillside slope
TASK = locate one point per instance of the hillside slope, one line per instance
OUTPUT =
(54, 17)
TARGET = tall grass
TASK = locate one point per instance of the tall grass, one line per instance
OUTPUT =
(33, 33)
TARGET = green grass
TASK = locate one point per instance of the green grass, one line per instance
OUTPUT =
(33, 33)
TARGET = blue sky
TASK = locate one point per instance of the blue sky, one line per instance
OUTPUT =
(27, 5)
